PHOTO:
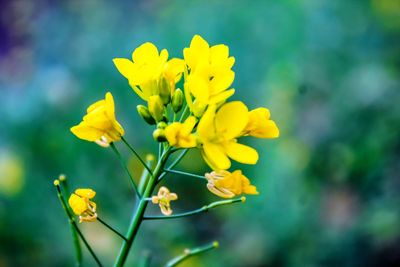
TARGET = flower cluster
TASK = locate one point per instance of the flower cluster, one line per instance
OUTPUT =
(199, 116)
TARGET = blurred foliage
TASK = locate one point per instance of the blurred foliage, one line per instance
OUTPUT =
(328, 70)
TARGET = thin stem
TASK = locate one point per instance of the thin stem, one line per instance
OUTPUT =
(74, 233)
(183, 113)
(197, 211)
(114, 148)
(144, 178)
(111, 228)
(191, 252)
(78, 250)
(137, 216)
(173, 164)
(137, 155)
(72, 222)
(185, 173)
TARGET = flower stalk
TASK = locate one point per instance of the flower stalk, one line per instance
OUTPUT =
(187, 253)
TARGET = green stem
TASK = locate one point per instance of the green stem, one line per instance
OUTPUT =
(74, 234)
(183, 113)
(114, 148)
(197, 211)
(73, 223)
(137, 216)
(187, 253)
(173, 164)
(137, 155)
(144, 178)
(111, 228)
(185, 173)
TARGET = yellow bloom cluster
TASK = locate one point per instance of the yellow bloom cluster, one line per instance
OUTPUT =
(208, 122)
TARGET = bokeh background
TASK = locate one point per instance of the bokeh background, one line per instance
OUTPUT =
(328, 70)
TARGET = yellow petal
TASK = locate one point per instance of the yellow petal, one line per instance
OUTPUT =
(85, 132)
(85, 192)
(146, 53)
(221, 97)
(198, 51)
(231, 119)
(221, 82)
(109, 105)
(77, 204)
(126, 67)
(216, 157)
(206, 128)
(241, 153)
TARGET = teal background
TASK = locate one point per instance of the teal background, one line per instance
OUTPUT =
(327, 70)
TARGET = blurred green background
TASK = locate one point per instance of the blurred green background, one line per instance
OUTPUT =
(328, 70)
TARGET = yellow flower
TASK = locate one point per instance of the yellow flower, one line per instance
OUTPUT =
(180, 134)
(227, 185)
(80, 203)
(217, 132)
(100, 124)
(260, 125)
(163, 199)
(210, 74)
(147, 69)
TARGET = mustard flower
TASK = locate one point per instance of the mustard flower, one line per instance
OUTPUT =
(227, 185)
(217, 132)
(80, 203)
(260, 125)
(100, 124)
(210, 74)
(163, 199)
(148, 68)
(180, 134)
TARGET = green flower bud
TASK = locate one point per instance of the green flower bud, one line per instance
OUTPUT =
(156, 107)
(177, 100)
(165, 90)
(161, 125)
(159, 135)
(145, 114)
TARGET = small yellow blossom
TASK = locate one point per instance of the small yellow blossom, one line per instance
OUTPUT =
(80, 203)
(180, 134)
(260, 125)
(217, 132)
(100, 124)
(163, 199)
(210, 74)
(147, 69)
(227, 185)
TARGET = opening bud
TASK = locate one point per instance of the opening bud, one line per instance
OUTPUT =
(177, 100)
(145, 114)
(165, 90)
(156, 107)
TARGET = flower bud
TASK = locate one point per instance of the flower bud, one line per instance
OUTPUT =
(159, 135)
(156, 107)
(161, 125)
(165, 90)
(177, 100)
(145, 114)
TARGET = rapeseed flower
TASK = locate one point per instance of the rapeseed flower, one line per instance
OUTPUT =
(227, 185)
(80, 203)
(210, 74)
(99, 124)
(163, 199)
(260, 125)
(148, 70)
(180, 134)
(218, 131)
